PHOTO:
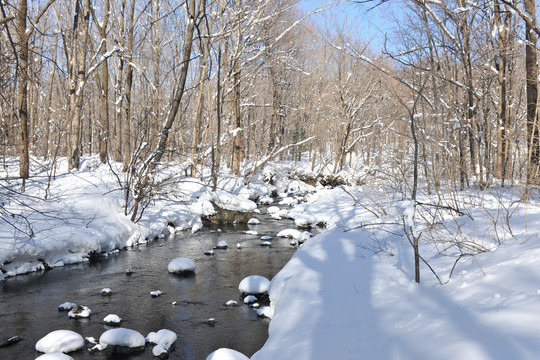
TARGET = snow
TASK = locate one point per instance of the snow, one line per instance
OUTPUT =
(181, 264)
(250, 299)
(266, 200)
(80, 311)
(54, 356)
(251, 232)
(253, 221)
(66, 306)
(163, 339)
(254, 284)
(301, 236)
(226, 354)
(60, 341)
(121, 337)
(112, 319)
(348, 292)
(222, 245)
(229, 201)
(266, 237)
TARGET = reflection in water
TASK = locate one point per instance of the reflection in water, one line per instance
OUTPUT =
(28, 303)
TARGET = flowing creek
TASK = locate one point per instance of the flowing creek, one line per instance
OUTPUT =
(29, 303)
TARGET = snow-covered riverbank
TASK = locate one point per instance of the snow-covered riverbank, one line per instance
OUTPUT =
(348, 293)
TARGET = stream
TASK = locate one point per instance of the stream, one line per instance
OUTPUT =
(29, 303)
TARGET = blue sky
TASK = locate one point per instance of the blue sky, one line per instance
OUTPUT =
(366, 21)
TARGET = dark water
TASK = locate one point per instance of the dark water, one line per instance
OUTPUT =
(28, 303)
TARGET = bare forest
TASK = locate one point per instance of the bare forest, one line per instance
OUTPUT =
(449, 101)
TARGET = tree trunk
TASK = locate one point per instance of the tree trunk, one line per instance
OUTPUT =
(22, 111)
(77, 88)
(129, 84)
(238, 144)
(531, 70)
(104, 87)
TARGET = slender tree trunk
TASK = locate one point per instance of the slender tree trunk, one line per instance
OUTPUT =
(129, 84)
(104, 87)
(531, 70)
(238, 144)
(118, 88)
(196, 142)
(22, 111)
(77, 89)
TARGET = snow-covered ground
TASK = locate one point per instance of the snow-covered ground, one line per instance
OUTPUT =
(347, 293)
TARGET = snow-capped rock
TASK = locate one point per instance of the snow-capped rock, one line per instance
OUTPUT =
(112, 319)
(67, 306)
(164, 340)
(254, 284)
(226, 354)
(253, 221)
(121, 337)
(106, 292)
(181, 265)
(63, 341)
(222, 245)
(79, 311)
(54, 356)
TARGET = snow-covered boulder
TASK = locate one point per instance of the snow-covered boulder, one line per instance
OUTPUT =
(266, 311)
(67, 306)
(181, 265)
(106, 292)
(272, 210)
(54, 356)
(253, 221)
(112, 319)
(222, 245)
(228, 208)
(266, 200)
(295, 234)
(121, 337)
(288, 201)
(250, 299)
(304, 221)
(254, 284)
(79, 311)
(164, 340)
(226, 354)
(63, 341)
(251, 232)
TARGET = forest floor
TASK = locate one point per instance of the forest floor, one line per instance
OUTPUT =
(347, 293)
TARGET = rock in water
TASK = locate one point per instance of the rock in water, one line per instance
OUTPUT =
(182, 265)
(60, 341)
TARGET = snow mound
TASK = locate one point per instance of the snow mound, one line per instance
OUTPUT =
(121, 337)
(250, 299)
(228, 201)
(181, 265)
(54, 356)
(66, 306)
(266, 311)
(251, 232)
(222, 245)
(288, 201)
(266, 200)
(254, 284)
(253, 221)
(163, 339)
(295, 234)
(272, 210)
(112, 319)
(226, 354)
(79, 311)
(304, 220)
(60, 341)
